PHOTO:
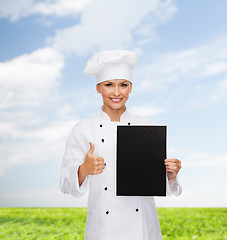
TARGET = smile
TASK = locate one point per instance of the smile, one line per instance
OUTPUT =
(116, 100)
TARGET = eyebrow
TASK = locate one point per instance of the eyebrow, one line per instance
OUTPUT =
(120, 82)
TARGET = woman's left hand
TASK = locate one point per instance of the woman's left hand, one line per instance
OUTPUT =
(173, 166)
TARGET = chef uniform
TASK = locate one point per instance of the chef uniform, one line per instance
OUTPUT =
(109, 217)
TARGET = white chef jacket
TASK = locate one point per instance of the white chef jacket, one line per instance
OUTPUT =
(109, 217)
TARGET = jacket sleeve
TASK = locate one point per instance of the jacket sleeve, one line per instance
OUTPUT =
(173, 187)
(74, 156)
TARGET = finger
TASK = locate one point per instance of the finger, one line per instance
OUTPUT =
(99, 170)
(100, 159)
(173, 168)
(171, 171)
(101, 167)
(168, 164)
(92, 148)
(172, 160)
(101, 164)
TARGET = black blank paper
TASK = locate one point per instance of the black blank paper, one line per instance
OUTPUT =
(141, 151)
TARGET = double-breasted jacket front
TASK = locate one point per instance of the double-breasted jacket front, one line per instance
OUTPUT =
(109, 217)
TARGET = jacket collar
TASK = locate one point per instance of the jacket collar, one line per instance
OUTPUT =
(105, 116)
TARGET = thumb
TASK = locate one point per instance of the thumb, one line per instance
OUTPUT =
(92, 148)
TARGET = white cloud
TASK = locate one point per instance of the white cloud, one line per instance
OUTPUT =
(26, 79)
(14, 10)
(28, 152)
(146, 110)
(103, 24)
(219, 92)
(199, 159)
(64, 110)
(215, 68)
(205, 160)
(185, 67)
(55, 131)
(60, 8)
(25, 146)
(113, 24)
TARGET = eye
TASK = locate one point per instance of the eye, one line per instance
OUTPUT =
(124, 85)
(108, 84)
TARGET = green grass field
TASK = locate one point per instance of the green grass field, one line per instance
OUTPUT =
(69, 223)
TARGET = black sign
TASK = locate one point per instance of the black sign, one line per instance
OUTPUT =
(141, 151)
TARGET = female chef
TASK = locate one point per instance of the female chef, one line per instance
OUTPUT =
(90, 158)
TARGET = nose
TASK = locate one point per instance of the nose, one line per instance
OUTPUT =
(116, 91)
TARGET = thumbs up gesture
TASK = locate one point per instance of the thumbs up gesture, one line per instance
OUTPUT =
(92, 164)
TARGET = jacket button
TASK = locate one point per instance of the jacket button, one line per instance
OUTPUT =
(100, 125)
(129, 123)
(102, 140)
(107, 212)
(137, 210)
(105, 188)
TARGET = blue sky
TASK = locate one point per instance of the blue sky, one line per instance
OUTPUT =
(180, 80)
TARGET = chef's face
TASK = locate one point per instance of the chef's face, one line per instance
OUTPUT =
(115, 93)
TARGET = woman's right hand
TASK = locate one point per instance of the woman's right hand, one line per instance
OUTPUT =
(92, 165)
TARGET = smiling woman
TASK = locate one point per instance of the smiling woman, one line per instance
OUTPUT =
(90, 158)
(115, 94)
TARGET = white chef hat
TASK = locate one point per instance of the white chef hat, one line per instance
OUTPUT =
(111, 64)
